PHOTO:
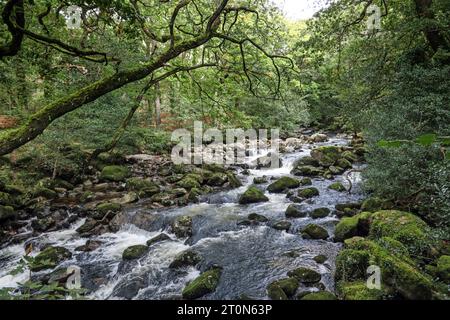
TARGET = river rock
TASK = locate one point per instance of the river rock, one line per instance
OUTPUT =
(130, 288)
(252, 195)
(305, 275)
(326, 156)
(187, 258)
(308, 193)
(337, 186)
(134, 252)
(295, 211)
(320, 295)
(320, 213)
(159, 238)
(114, 173)
(89, 246)
(44, 224)
(260, 180)
(257, 217)
(283, 184)
(320, 259)
(206, 283)
(318, 137)
(313, 231)
(182, 226)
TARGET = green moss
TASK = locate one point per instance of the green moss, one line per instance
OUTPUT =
(443, 268)
(295, 211)
(313, 231)
(403, 277)
(114, 173)
(217, 179)
(49, 258)
(144, 187)
(320, 213)
(372, 205)
(106, 207)
(206, 283)
(308, 193)
(45, 193)
(190, 181)
(349, 227)
(305, 275)
(321, 295)
(358, 291)
(275, 292)
(404, 227)
(252, 195)
(352, 265)
(308, 171)
(337, 186)
(320, 259)
(326, 156)
(283, 184)
(185, 259)
(134, 252)
(6, 212)
(233, 180)
(288, 285)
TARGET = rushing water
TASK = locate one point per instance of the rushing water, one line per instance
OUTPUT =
(251, 256)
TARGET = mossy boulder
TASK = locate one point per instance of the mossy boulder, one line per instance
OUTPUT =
(44, 193)
(6, 213)
(6, 199)
(295, 211)
(233, 180)
(358, 290)
(106, 207)
(217, 179)
(396, 273)
(283, 184)
(352, 265)
(206, 283)
(305, 275)
(320, 259)
(320, 213)
(187, 258)
(87, 226)
(306, 182)
(321, 295)
(405, 227)
(257, 217)
(313, 231)
(350, 227)
(326, 156)
(252, 195)
(308, 171)
(142, 186)
(260, 180)
(134, 252)
(344, 163)
(289, 286)
(49, 258)
(443, 268)
(308, 193)
(372, 204)
(190, 181)
(114, 173)
(337, 186)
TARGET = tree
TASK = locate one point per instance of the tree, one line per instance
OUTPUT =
(175, 29)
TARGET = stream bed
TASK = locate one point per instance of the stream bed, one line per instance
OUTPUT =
(252, 256)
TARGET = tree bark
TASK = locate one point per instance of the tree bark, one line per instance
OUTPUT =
(157, 105)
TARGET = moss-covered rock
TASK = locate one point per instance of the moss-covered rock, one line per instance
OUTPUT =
(358, 291)
(260, 180)
(295, 211)
(283, 184)
(372, 204)
(87, 226)
(288, 285)
(308, 193)
(308, 171)
(305, 275)
(402, 277)
(252, 195)
(49, 258)
(405, 227)
(320, 259)
(44, 192)
(313, 231)
(159, 238)
(443, 268)
(344, 164)
(114, 173)
(326, 156)
(306, 182)
(233, 180)
(321, 295)
(142, 186)
(352, 265)
(206, 283)
(257, 217)
(349, 156)
(350, 227)
(106, 207)
(134, 252)
(187, 258)
(275, 292)
(190, 181)
(337, 186)
(320, 213)
(217, 179)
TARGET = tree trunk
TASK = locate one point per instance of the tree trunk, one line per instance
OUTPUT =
(157, 106)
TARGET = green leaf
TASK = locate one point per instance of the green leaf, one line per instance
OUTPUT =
(427, 139)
